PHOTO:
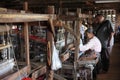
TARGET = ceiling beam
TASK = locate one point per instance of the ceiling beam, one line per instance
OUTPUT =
(107, 1)
(84, 4)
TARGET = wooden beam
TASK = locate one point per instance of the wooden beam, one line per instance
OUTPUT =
(5, 46)
(73, 18)
(106, 6)
(26, 6)
(3, 9)
(19, 17)
(26, 37)
(38, 72)
(58, 77)
(87, 62)
(77, 42)
(50, 39)
(67, 66)
(64, 56)
(14, 76)
(68, 18)
(67, 28)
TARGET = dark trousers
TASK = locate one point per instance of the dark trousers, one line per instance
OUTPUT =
(105, 59)
(97, 68)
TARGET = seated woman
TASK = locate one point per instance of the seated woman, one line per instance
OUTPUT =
(93, 43)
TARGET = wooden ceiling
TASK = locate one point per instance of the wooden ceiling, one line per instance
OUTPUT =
(84, 4)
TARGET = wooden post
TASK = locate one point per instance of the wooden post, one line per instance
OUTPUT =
(26, 37)
(77, 42)
(51, 10)
(50, 40)
(66, 34)
(26, 6)
(78, 11)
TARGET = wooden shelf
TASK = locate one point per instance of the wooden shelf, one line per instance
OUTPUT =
(4, 46)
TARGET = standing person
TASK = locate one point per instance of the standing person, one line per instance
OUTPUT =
(95, 24)
(104, 32)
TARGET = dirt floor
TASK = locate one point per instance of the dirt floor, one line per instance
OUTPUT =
(114, 70)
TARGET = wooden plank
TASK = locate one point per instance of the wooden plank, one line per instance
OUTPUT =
(26, 37)
(70, 45)
(67, 28)
(25, 6)
(58, 77)
(17, 74)
(5, 46)
(25, 17)
(77, 42)
(21, 63)
(37, 64)
(73, 17)
(64, 56)
(65, 66)
(68, 17)
(94, 61)
(38, 72)
(3, 9)
(50, 34)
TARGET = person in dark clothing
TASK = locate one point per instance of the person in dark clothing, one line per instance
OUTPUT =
(104, 32)
(95, 24)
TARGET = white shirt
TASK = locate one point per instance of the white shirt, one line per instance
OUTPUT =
(93, 44)
(82, 30)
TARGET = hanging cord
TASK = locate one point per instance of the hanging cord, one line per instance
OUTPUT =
(10, 39)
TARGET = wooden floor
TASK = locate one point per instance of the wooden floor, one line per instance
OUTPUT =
(114, 71)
